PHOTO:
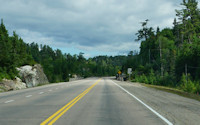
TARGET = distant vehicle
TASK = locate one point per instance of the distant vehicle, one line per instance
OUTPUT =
(121, 77)
(124, 76)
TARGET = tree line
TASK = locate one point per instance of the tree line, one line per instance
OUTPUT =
(168, 57)
(58, 67)
(171, 56)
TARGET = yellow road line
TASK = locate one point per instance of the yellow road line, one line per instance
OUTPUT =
(65, 108)
(57, 117)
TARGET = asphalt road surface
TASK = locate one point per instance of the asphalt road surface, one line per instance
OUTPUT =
(92, 101)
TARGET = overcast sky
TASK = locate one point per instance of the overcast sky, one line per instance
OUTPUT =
(95, 27)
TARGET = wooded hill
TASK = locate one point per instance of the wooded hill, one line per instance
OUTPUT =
(14, 52)
(170, 57)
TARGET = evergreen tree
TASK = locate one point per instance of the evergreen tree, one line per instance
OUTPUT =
(189, 18)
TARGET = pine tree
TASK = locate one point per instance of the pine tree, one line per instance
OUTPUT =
(145, 32)
(5, 47)
(189, 18)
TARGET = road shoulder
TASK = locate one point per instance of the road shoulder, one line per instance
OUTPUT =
(177, 109)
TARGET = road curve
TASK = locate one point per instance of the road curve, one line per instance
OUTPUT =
(91, 101)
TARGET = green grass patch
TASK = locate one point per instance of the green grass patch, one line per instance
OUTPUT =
(174, 91)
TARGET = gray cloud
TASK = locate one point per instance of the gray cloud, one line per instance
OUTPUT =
(104, 26)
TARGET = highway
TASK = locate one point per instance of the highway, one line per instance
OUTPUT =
(92, 101)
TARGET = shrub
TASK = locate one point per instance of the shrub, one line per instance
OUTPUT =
(187, 85)
(197, 88)
(142, 78)
(152, 78)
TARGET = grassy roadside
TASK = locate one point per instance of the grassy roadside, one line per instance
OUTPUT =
(174, 91)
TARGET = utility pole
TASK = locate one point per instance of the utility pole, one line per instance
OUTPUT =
(161, 65)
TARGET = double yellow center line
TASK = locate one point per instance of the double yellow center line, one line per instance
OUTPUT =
(53, 118)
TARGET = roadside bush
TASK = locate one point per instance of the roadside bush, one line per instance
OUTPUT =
(141, 78)
(67, 79)
(167, 80)
(152, 78)
(197, 88)
(3, 74)
(187, 85)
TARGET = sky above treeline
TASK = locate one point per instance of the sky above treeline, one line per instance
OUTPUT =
(94, 27)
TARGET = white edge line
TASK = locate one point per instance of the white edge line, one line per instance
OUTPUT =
(160, 116)
(9, 101)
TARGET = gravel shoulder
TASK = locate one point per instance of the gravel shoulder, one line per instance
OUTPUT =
(177, 109)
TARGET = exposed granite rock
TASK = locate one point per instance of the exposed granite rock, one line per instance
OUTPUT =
(19, 84)
(16, 84)
(32, 75)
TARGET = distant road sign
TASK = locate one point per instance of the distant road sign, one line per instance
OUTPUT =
(119, 72)
(129, 71)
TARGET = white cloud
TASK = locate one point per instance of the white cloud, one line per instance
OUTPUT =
(87, 25)
(30, 36)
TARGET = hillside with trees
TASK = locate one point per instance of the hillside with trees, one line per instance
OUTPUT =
(13, 53)
(167, 57)
(58, 67)
(171, 56)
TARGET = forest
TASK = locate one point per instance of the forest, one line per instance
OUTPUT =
(58, 67)
(168, 57)
(171, 56)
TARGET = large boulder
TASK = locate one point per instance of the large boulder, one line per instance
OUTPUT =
(16, 84)
(7, 85)
(19, 84)
(32, 75)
